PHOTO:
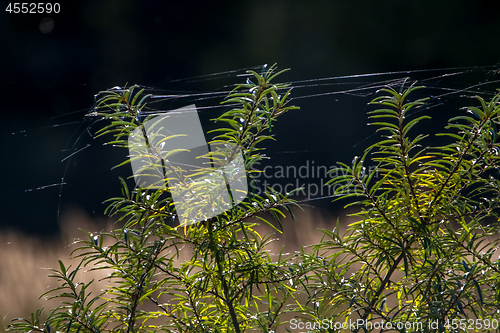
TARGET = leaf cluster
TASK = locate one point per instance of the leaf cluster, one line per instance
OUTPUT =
(213, 276)
(425, 247)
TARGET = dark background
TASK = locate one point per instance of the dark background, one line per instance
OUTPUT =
(48, 80)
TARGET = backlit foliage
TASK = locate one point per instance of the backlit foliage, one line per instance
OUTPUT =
(423, 250)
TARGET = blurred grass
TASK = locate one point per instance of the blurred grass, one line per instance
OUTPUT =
(25, 262)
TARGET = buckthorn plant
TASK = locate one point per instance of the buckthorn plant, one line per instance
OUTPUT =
(423, 248)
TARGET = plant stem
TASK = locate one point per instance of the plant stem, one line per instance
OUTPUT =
(384, 283)
(227, 299)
